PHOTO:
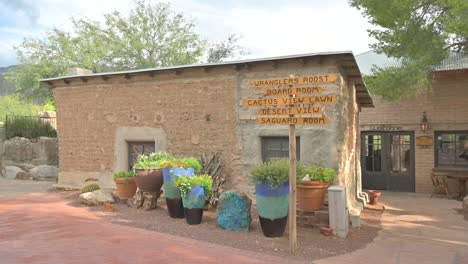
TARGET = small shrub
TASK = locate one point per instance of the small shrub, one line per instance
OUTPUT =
(186, 183)
(276, 171)
(123, 174)
(152, 160)
(320, 174)
(90, 187)
(28, 127)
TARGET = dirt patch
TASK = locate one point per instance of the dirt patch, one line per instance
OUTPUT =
(312, 245)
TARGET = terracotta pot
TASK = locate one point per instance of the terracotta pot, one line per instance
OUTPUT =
(126, 187)
(311, 194)
(149, 180)
(374, 197)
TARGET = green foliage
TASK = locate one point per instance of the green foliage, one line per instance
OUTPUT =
(154, 160)
(276, 171)
(418, 32)
(28, 127)
(186, 183)
(13, 105)
(192, 163)
(49, 104)
(319, 174)
(90, 187)
(123, 174)
(150, 36)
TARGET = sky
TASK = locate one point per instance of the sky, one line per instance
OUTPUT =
(267, 27)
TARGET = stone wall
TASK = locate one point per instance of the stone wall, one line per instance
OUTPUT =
(446, 108)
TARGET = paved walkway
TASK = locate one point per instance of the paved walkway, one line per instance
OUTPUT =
(42, 228)
(416, 229)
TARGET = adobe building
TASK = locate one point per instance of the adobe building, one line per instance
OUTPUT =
(403, 142)
(106, 119)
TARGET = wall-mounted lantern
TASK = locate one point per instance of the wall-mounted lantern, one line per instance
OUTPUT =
(424, 123)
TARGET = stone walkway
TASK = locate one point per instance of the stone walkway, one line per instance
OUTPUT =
(416, 229)
(42, 228)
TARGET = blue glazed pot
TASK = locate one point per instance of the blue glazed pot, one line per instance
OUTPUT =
(273, 208)
(194, 203)
(172, 193)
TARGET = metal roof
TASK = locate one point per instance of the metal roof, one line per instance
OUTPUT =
(366, 60)
(202, 65)
(349, 65)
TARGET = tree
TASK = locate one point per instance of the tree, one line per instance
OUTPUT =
(151, 36)
(420, 33)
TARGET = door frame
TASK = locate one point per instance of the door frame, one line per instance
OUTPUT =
(385, 157)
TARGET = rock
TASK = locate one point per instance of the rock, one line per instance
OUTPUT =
(326, 231)
(144, 200)
(24, 176)
(44, 173)
(10, 172)
(233, 212)
(465, 204)
(96, 197)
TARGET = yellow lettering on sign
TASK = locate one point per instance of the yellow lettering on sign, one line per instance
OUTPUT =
(323, 99)
(292, 91)
(293, 120)
(293, 81)
(292, 111)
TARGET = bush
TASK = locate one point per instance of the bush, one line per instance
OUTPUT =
(90, 187)
(28, 127)
(152, 160)
(123, 174)
(320, 174)
(12, 105)
(186, 183)
(276, 171)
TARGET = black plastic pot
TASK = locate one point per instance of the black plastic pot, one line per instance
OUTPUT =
(193, 215)
(175, 208)
(273, 228)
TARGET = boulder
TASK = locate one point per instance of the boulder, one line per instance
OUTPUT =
(44, 173)
(465, 204)
(24, 176)
(233, 211)
(97, 197)
(10, 172)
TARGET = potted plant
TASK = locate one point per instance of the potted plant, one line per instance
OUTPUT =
(374, 197)
(125, 182)
(172, 170)
(148, 173)
(312, 187)
(271, 181)
(194, 190)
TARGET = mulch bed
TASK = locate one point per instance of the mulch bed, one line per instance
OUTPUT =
(312, 245)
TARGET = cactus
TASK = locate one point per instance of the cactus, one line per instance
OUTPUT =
(90, 187)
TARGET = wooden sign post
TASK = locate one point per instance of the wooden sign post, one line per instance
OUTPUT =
(292, 186)
(292, 114)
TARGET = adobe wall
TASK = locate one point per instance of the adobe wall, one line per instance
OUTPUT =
(446, 107)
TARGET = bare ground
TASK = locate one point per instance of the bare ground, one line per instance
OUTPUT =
(312, 245)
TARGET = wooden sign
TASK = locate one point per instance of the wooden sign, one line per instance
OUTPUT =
(292, 91)
(293, 120)
(424, 141)
(293, 81)
(323, 99)
(292, 111)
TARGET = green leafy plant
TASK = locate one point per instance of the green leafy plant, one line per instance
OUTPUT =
(191, 162)
(28, 127)
(151, 161)
(123, 174)
(319, 174)
(90, 187)
(276, 171)
(187, 183)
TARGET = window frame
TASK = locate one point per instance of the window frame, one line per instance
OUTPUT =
(263, 145)
(436, 148)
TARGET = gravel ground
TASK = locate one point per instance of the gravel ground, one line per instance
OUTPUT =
(312, 245)
(12, 187)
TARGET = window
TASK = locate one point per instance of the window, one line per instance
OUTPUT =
(278, 147)
(373, 152)
(451, 149)
(138, 148)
